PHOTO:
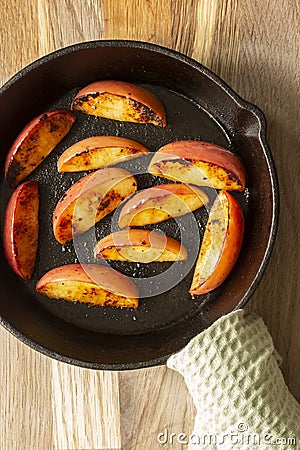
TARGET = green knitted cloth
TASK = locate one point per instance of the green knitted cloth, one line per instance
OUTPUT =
(232, 372)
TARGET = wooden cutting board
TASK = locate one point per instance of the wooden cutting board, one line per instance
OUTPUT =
(254, 46)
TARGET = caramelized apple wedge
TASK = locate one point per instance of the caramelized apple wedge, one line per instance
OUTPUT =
(99, 151)
(21, 229)
(159, 203)
(119, 100)
(34, 143)
(143, 246)
(200, 163)
(221, 244)
(89, 200)
(90, 283)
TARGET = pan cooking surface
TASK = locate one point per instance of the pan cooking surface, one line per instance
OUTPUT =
(185, 120)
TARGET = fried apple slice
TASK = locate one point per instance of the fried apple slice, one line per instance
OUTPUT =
(21, 229)
(159, 203)
(34, 143)
(143, 246)
(119, 100)
(200, 163)
(89, 200)
(90, 283)
(221, 244)
(99, 151)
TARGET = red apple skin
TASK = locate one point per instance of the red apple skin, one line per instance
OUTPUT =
(145, 106)
(34, 143)
(194, 152)
(231, 248)
(89, 283)
(21, 227)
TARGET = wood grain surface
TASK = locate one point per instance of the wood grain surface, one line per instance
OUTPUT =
(254, 46)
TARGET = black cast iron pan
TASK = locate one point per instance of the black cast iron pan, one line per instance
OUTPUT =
(199, 106)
